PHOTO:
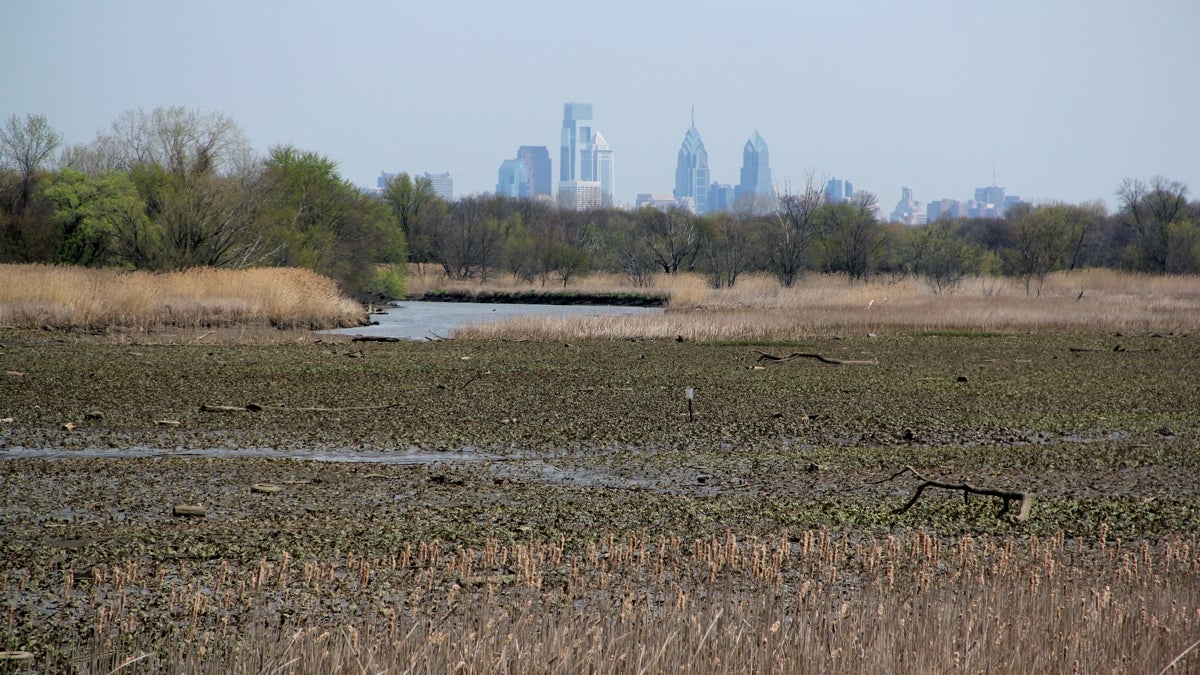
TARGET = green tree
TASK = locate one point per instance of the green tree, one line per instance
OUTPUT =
(727, 248)
(852, 238)
(941, 257)
(102, 220)
(313, 218)
(417, 209)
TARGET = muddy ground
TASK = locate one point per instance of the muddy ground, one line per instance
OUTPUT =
(462, 442)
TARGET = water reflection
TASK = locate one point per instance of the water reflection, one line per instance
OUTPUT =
(421, 320)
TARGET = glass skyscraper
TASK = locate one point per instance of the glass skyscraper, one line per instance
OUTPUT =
(537, 168)
(513, 180)
(756, 171)
(576, 130)
(596, 160)
(691, 170)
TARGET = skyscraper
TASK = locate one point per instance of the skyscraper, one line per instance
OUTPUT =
(576, 130)
(596, 164)
(756, 173)
(537, 168)
(513, 180)
(837, 190)
(691, 170)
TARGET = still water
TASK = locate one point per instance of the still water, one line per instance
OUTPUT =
(421, 320)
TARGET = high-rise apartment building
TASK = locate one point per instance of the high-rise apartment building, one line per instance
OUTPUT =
(536, 159)
(691, 170)
(596, 164)
(756, 174)
(576, 130)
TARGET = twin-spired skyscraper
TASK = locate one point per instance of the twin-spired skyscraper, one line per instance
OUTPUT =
(694, 190)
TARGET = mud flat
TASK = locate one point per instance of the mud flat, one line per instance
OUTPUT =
(408, 491)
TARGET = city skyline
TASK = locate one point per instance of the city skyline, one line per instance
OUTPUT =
(1050, 98)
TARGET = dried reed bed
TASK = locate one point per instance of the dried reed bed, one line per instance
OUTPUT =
(759, 309)
(819, 601)
(44, 296)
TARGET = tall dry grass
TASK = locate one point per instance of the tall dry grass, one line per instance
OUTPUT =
(758, 308)
(41, 296)
(820, 601)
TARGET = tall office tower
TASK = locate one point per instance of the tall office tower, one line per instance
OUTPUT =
(989, 202)
(837, 190)
(691, 170)
(513, 180)
(443, 184)
(596, 164)
(576, 130)
(756, 173)
(537, 168)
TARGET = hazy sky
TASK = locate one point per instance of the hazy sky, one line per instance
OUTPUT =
(1066, 99)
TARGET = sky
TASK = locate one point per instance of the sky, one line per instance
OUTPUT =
(1055, 99)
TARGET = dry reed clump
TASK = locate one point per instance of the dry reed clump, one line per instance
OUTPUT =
(757, 308)
(45, 296)
(906, 602)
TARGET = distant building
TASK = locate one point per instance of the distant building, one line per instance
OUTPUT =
(838, 190)
(656, 201)
(756, 174)
(536, 159)
(580, 195)
(723, 197)
(513, 180)
(383, 179)
(944, 208)
(443, 184)
(988, 203)
(576, 130)
(908, 210)
(691, 170)
(596, 164)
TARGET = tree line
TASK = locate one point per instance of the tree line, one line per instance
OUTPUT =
(175, 188)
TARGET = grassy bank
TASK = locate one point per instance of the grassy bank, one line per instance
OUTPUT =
(607, 530)
(74, 298)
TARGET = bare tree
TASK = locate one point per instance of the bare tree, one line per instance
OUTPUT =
(25, 144)
(794, 228)
(670, 237)
(1154, 212)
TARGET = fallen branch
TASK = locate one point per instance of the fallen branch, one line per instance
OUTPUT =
(374, 338)
(763, 356)
(254, 407)
(1023, 498)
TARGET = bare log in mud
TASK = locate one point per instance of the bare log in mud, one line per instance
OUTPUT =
(763, 356)
(254, 407)
(374, 338)
(189, 510)
(1025, 499)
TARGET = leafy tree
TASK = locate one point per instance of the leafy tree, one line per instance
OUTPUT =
(313, 218)
(1041, 241)
(102, 218)
(941, 257)
(417, 209)
(853, 238)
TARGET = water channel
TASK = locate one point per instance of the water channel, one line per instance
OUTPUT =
(421, 320)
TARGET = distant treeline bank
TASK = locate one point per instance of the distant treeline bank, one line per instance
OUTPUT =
(174, 188)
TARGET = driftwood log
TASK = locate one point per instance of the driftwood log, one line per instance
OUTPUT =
(763, 356)
(1024, 499)
(254, 407)
(189, 510)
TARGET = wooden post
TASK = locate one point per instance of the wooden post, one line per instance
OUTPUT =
(688, 394)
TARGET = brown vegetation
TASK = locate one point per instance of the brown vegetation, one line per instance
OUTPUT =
(759, 309)
(45, 296)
